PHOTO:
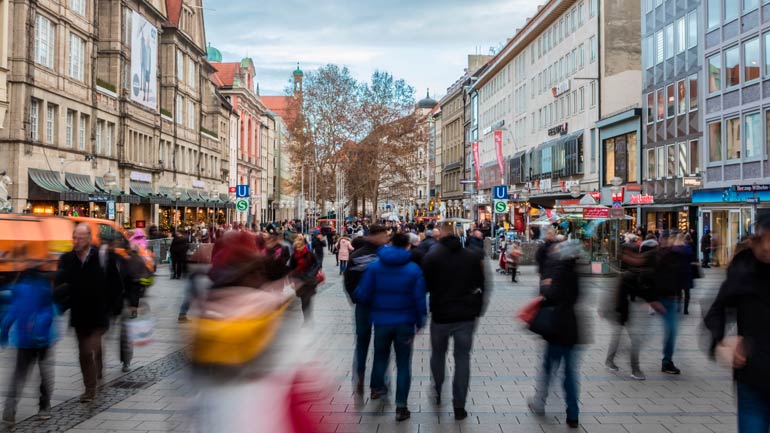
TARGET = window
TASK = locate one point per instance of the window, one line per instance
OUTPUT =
(715, 141)
(609, 159)
(179, 109)
(78, 6)
(45, 41)
(682, 172)
(574, 102)
(752, 126)
(692, 29)
(108, 134)
(179, 65)
(661, 162)
(592, 8)
(50, 124)
(733, 138)
(580, 14)
(582, 98)
(767, 53)
(34, 119)
(681, 36)
(191, 72)
(649, 52)
(669, 41)
(190, 115)
(593, 93)
(749, 5)
(694, 166)
(671, 160)
(76, 57)
(670, 101)
(592, 42)
(99, 135)
(651, 164)
(659, 47)
(581, 56)
(681, 96)
(751, 60)
(713, 13)
(70, 128)
(732, 10)
(82, 132)
(661, 105)
(693, 79)
(715, 73)
(650, 107)
(732, 67)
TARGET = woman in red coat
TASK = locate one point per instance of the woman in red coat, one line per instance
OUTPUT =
(304, 269)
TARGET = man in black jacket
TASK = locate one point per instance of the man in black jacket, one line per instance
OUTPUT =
(360, 259)
(178, 252)
(454, 277)
(90, 282)
(746, 292)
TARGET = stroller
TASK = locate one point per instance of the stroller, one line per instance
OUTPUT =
(509, 259)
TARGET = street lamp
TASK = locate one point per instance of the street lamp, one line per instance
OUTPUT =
(177, 190)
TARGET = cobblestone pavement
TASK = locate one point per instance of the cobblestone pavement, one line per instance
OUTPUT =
(156, 396)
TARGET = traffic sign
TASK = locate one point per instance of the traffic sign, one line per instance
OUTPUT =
(110, 209)
(500, 192)
(242, 191)
(242, 205)
(231, 189)
(501, 206)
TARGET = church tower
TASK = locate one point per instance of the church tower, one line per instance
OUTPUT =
(298, 80)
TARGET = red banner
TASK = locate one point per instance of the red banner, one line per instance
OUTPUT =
(499, 151)
(475, 149)
(596, 213)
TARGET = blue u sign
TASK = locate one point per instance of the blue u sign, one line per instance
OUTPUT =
(500, 192)
(242, 191)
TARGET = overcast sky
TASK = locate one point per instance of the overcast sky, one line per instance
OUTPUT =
(423, 41)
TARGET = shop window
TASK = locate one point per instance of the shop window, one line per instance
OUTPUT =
(692, 29)
(681, 92)
(732, 67)
(620, 158)
(715, 142)
(733, 138)
(670, 101)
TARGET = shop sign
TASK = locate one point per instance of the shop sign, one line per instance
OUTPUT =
(617, 213)
(596, 213)
(596, 195)
(568, 184)
(752, 188)
(560, 89)
(199, 184)
(558, 130)
(141, 177)
(111, 210)
(231, 190)
(140, 224)
(642, 199)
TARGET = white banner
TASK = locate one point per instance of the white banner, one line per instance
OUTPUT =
(144, 62)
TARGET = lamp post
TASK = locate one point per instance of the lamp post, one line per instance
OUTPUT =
(177, 195)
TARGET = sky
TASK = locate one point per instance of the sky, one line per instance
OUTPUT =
(425, 42)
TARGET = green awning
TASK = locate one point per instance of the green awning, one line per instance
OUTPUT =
(141, 189)
(80, 182)
(47, 185)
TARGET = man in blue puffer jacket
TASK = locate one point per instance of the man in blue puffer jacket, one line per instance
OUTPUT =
(394, 288)
(31, 318)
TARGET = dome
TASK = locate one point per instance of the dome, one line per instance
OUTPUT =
(298, 71)
(427, 102)
(213, 54)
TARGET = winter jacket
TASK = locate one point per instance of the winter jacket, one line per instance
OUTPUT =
(394, 288)
(426, 245)
(476, 243)
(360, 259)
(178, 248)
(454, 278)
(541, 255)
(344, 249)
(672, 267)
(304, 268)
(705, 243)
(561, 295)
(318, 248)
(746, 291)
(31, 315)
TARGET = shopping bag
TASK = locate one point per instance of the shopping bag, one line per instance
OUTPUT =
(320, 276)
(140, 329)
(528, 312)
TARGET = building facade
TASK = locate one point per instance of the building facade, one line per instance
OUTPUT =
(4, 26)
(735, 121)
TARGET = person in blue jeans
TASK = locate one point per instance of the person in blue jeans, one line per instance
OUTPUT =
(393, 288)
(745, 292)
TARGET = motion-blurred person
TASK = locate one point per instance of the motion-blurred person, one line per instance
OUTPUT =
(277, 253)
(560, 289)
(29, 325)
(138, 238)
(317, 244)
(304, 268)
(417, 254)
(138, 279)
(476, 240)
(541, 255)
(178, 250)
(672, 269)
(344, 249)
(512, 256)
(394, 288)
(745, 294)
(360, 259)
(429, 240)
(705, 248)
(684, 249)
(89, 282)
(454, 277)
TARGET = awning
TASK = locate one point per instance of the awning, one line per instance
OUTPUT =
(80, 182)
(141, 189)
(46, 185)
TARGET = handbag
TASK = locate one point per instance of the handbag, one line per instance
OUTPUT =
(320, 276)
(545, 323)
(696, 270)
(528, 312)
(140, 329)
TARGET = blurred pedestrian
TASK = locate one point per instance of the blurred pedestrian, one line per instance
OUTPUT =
(672, 269)
(683, 247)
(138, 279)
(29, 325)
(138, 238)
(317, 244)
(476, 240)
(744, 296)
(360, 259)
(706, 248)
(394, 288)
(541, 255)
(512, 256)
(344, 249)
(304, 269)
(178, 250)
(455, 279)
(429, 240)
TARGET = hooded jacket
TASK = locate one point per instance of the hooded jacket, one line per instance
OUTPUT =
(747, 293)
(394, 288)
(363, 255)
(454, 277)
(31, 315)
(562, 294)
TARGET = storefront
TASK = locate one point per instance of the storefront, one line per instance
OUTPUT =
(48, 195)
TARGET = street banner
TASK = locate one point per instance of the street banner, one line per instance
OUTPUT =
(144, 62)
(499, 150)
(475, 149)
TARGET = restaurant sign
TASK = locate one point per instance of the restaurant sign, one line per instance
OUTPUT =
(642, 199)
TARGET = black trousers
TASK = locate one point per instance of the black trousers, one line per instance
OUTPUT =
(26, 358)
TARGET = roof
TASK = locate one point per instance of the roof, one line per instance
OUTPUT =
(174, 8)
(280, 105)
(226, 72)
(213, 54)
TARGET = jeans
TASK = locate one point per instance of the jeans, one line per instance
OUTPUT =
(90, 355)
(753, 410)
(363, 324)
(26, 358)
(402, 338)
(554, 354)
(462, 333)
(343, 266)
(671, 326)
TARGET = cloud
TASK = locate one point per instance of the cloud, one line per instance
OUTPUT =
(423, 41)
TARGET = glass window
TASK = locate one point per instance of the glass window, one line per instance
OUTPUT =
(694, 166)
(76, 57)
(682, 172)
(632, 151)
(692, 29)
(593, 93)
(191, 76)
(592, 43)
(752, 126)
(661, 105)
(179, 65)
(732, 67)
(609, 159)
(670, 101)
(732, 10)
(681, 35)
(715, 73)
(580, 14)
(669, 41)
(650, 107)
(591, 8)
(767, 53)
(78, 6)
(661, 164)
(190, 114)
(693, 79)
(671, 160)
(681, 97)
(50, 124)
(713, 12)
(649, 52)
(733, 138)
(45, 41)
(34, 116)
(659, 47)
(751, 60)
(70, 128)
(749, 5)
(82, 132)
(715, 141)
(651, 164)
(179, 109)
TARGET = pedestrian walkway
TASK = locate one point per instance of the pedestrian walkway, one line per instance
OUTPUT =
(505, 362)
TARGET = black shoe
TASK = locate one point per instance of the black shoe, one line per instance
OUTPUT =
(402, 414)
(375, 395)
(360, 387)
(610, 365)
(573, 423)
(126, 367)
(460, 414)
(182, 318)
(670, 368)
